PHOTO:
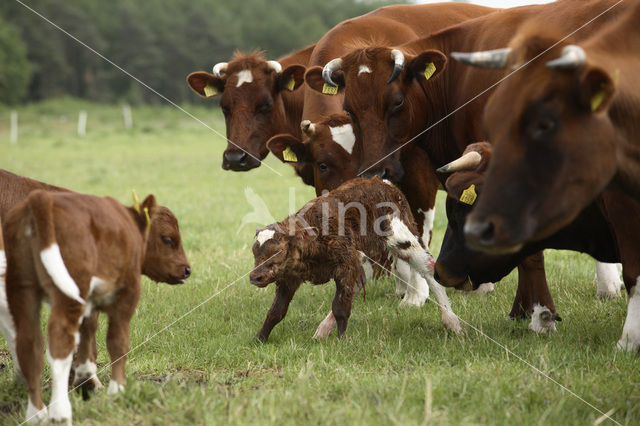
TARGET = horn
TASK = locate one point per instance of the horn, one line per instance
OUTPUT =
(275, 65)
(484, 59)
(331, 67)
(468, 161)
(572, 57)
(398, 64)
(307, 127)
(219, 69)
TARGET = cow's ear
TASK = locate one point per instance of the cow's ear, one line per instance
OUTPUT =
(287, 148)
(464, 187)
(596, 89)
(291, 78)
(149, 203)
(205, 84)
(426, 66)
(313, 78)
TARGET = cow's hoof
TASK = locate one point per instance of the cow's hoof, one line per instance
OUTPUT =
(114, 388)
(628, 344)
(414, 299)
(484, 288)
(452, 322)
(542, 320)
(34, 415)
(60, 412)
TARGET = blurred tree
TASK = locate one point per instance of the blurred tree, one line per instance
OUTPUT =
(15, 71)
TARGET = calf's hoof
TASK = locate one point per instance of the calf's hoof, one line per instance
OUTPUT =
(35, 415)
(114, 388)
(452, 322)
(60, 412)
(543, 320)
(326, 327)
(414, 299)
(484, 288)
(628, 343)
(261, 338)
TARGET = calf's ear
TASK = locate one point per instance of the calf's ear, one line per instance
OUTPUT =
(426, 66)
(288, 148)
(291, 78)
(597, 89)
(313, 78)
(205, 84)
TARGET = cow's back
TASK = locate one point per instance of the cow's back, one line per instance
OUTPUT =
(15, 188)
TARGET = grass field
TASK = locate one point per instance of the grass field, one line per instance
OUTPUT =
(397, 366)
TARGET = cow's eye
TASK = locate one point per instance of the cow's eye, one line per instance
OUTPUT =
(323, 167)
(543, 128)
(263, 108)
(167, 240)
(397, 105)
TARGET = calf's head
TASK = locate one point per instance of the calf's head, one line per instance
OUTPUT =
(330, 151)
(165, 259)
(384, 97)
(249, 88)
(553, 144)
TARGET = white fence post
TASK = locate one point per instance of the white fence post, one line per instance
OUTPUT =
(82, 123)
(14, 127)
(126, 115)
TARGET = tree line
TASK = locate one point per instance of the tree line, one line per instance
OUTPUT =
(158, 41)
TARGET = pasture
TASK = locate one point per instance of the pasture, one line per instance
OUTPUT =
(194, 358)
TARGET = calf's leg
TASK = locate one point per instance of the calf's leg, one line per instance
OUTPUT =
(284, 293)
(85, 361)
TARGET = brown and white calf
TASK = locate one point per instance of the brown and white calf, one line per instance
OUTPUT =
(83, 255)
(327, 239)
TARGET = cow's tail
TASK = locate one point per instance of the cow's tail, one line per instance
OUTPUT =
(41, 204)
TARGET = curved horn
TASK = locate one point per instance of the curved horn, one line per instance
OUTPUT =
(275, 65)
(398, 64)
(331, 67)
(220, 68)
(572, 57)
(484, 59)
(307, 127)
(468, 161)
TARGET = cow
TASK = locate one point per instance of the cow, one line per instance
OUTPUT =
(589, 233)
(564, 129)
(326, 240)
(415, 96)
(82, 254)
(258, 99)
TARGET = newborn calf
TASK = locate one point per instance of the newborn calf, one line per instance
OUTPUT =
(326, 239)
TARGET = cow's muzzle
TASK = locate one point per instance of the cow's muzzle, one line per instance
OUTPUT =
(239, 161)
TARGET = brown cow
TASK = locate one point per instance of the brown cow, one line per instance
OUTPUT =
(564, 129)
(326, 239)
(258, 100)
(82, 254)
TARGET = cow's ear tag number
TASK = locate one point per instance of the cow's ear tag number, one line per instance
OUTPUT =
(329, 90)
(469, 195)
(289, 155)
(210, 91)
(430, 70)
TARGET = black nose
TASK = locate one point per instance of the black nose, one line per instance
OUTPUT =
(187, 272)
(480, 233)
(255, 278)
(235, 158)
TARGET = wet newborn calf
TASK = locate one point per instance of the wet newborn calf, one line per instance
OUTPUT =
(326, 240)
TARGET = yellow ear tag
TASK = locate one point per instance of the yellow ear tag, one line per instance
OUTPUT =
(469, 195)
(597, 100)
(146, 216)
(210, 91)
(329, 90)
(289, 155)
(136, 201)
(291, 84)
(430, 70)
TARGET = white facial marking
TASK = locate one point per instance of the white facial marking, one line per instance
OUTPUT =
(244, 76)
(630, 340)
(364, 70)
(35, 416)
(608, 279)
(114, 387)
(264, 236)
(60, 406)
(344, 136)
(427, 227)
(53, 263)
(540, 325)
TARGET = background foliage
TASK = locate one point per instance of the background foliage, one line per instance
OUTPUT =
(158, 41)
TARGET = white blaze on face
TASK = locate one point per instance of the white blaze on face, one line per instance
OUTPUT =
(244, 76)
(364, 70)
(264, 236)
(344, 136)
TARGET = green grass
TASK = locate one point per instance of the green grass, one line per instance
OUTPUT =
(398, 365)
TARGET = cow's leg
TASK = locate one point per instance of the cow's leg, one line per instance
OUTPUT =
(284, 293)
(608, 280)
(63, 333)
(416, 288)
(630, 339)
(406, 246)
(342, 302)
(402, 274)
(7, 327)
(85, 361)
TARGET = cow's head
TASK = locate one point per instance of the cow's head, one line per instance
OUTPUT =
(330, 151)
(165, 259)
(279, 251)
(553, 141)
(249, 88)
(384, 98)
